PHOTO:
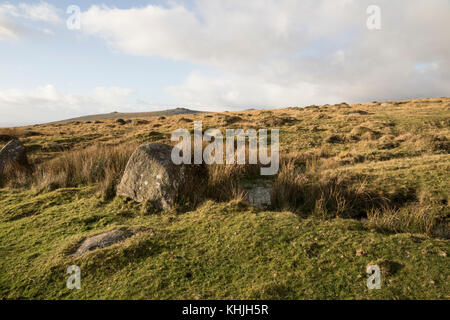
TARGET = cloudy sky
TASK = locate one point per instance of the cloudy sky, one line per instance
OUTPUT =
(216, 55)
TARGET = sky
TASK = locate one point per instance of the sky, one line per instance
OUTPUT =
(216, 55)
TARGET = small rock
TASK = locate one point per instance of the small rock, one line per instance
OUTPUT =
(259, 197)
(103, 240)
(258, 194)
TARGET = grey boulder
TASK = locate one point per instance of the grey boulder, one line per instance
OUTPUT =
(13, 152)
(150, 175)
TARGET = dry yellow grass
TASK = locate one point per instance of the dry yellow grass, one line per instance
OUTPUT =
(335, 158)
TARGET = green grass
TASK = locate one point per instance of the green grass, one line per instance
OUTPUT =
(347, 158)
(219, 251)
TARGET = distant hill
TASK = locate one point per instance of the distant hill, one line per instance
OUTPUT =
(129, 115)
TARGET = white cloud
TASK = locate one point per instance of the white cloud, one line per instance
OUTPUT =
(233, 92)
(8, 31)
(36, 105)
(13, 16)
(111, 94)
(289, 52)
(41, 11)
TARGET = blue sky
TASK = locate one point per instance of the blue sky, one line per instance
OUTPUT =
(215, 55)
(78, 63)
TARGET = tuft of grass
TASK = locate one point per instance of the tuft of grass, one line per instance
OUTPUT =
(414, 218)
(7, 134)
(15, 175)
(311, 192)
(223, 180)
(98, 164)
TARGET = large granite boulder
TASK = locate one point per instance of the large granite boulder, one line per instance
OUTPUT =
(151, 176)
(13, 152)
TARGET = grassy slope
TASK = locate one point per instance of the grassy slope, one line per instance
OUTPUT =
(227, 250)
(220, 251)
